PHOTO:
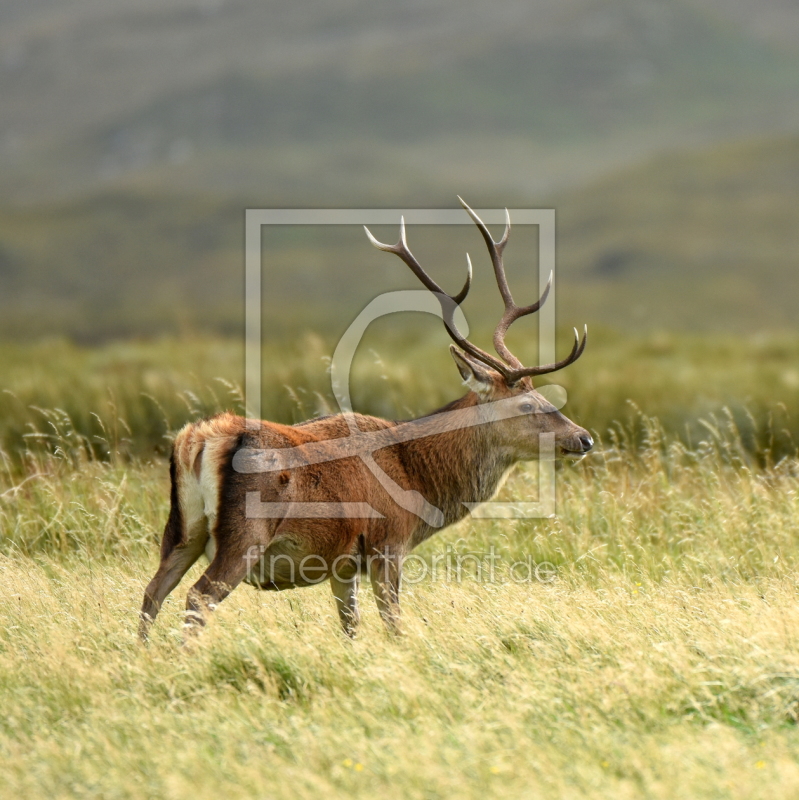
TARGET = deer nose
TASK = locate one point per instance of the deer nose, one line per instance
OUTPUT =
(586, 441)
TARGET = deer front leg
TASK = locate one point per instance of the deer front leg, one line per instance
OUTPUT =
(345, 590)
(385, 572)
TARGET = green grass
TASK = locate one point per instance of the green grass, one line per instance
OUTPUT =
(125, 400)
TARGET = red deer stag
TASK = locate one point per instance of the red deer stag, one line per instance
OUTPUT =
(346, 495)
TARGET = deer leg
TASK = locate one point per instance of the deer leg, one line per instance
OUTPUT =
(175, 563)
(228, 569)
(345, 590)
(385, 572)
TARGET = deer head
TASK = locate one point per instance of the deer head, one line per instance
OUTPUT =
(526, 413)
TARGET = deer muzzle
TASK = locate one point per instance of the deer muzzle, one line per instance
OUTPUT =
(578, 444)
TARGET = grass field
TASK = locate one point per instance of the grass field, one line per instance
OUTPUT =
(657, 657)
(643, 642)
(125, 399)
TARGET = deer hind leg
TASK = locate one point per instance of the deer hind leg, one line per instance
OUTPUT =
(236, 554)
(185, 536)
(385, 573)
(176, 560)
(224, 574)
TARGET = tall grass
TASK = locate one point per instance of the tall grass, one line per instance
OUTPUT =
(658, 656)
(126, 399)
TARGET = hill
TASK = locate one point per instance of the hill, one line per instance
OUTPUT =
(696, 240)
(700, 240)
(357, 103)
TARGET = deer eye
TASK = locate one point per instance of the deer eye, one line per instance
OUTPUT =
(527, 407)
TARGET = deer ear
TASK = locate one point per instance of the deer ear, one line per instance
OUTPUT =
(475, 375)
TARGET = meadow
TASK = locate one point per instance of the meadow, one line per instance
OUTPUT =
(651, 646)
(656, 655)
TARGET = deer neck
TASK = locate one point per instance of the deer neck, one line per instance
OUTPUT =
(464, 465)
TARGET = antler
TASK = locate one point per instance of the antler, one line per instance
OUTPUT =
(510, 368)
(448, 302)
(514, 312)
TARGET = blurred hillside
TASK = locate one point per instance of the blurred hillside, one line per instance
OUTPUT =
(701, 240)
(348, 102)
(134, 134)
(694, 241)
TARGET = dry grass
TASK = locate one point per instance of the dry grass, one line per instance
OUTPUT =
(662, 661)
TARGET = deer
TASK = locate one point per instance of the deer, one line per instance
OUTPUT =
(348, 495)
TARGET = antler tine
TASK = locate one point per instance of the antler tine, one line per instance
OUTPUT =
(402, 250)
(512, 311)
(448, 302)
(495, 250)
(576, 352)
(509, 317)
(461, 295)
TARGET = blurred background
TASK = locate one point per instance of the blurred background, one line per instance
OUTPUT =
(133, 134)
